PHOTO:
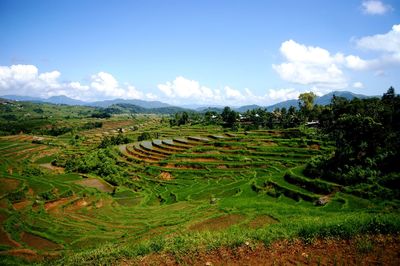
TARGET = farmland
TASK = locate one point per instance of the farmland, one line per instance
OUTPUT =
(78, 197)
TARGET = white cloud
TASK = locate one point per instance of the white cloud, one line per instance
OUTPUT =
(26, 80)
(315, 66)
(309, 65)
(184, 91)
(388, 42)
(182, 88)
(356, 63)
(375, 7)
(283, 94)
(358, 85)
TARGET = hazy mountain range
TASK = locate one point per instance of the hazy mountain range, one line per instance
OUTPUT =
(151, 105)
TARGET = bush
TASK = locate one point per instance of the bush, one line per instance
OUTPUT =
(144, 136)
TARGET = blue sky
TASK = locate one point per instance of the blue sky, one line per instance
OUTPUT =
(202, 52)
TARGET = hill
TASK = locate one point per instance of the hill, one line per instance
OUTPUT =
(322, 100)
(62, 99)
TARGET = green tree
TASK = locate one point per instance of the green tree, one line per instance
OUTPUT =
(229, 117)
(306, 104)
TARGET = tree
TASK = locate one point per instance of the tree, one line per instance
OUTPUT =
(144, 136)
(306, 104)
(229, 117)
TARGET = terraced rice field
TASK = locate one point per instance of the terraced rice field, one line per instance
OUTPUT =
(188, 180)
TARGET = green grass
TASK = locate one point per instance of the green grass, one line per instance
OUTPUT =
(156, 203)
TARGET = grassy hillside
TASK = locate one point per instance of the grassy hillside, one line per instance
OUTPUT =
(187, 189)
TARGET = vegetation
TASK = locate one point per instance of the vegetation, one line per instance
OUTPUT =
(94, 189)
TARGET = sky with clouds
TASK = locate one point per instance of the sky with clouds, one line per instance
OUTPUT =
(198, 52)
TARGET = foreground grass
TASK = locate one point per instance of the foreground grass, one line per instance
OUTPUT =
(306, 229)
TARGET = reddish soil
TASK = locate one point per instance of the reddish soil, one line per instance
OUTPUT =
(38, 242)
(93, 182)
(200, 160)
(21, 205)
(8, 184)
(54, 204)
(166, 176)
(3, 204)
(260, 221)
(383, 250)
(217, 223)
(53, 168)
(315, 146)
(5, 239)
(30, 255)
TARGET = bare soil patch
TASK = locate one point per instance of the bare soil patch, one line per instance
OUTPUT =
(385, 250)
(7, 185)
(93, 182)
(54, 204)
(261, 221)
(166, 176)
(38, 242)
(21, 205)
(315, 146)
(53, 168)
(217, 223)
(5, 238)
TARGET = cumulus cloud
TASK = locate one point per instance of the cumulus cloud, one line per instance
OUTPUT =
(185, 91)
(358, 85)
(388, 42)
(375, 7)
(316, 66)
(283, 94)
(26, 80)
(309, 65)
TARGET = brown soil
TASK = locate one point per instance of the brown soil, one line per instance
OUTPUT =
(3, 204)
(5, 239)
(21, 205)
(8, 184)
(384, 250)
(53, 168)
(54, 204)
(38, 242)
(26, 254)
(29, 151)
(260, 221)
(315, 147)
(200, 160)
(217, 223)
(166, 176)
(93, 182)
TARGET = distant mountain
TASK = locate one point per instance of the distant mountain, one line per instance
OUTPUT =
(284, 104)
(22, 98)
(62, 99)
(141, 106)
(327, 98)
(323, 100)
(121, 108)
(210, 109)
(141, 103)
(246, 108)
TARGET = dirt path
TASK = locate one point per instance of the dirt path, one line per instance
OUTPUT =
(378, 250)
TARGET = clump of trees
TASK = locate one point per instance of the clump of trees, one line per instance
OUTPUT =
(114, 140)
(181, 118)
(144, 136)
(101, 114)
(366, 133)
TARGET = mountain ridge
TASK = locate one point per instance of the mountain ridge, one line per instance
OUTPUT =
(152, 105)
